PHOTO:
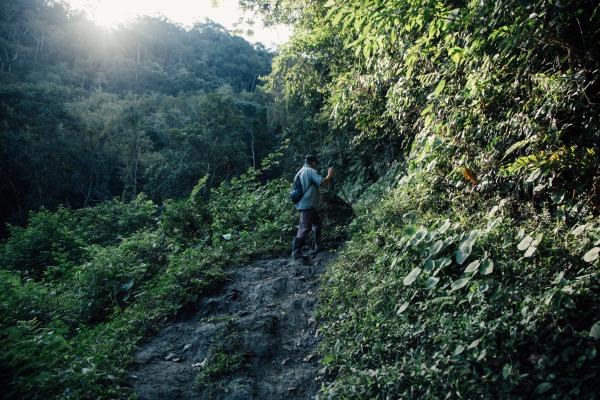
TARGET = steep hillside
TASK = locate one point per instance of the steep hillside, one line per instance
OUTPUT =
(473, 267)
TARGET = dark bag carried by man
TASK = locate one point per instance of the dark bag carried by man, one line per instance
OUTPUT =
(297, 191)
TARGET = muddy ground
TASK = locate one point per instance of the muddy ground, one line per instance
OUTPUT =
(255, 339)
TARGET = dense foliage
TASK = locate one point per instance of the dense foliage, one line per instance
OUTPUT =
(147, 107)
(473, 268)
(465, 132)
(81, 288)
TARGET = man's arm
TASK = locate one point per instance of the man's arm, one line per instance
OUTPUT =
(327, 180)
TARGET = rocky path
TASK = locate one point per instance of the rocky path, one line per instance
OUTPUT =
(255, 339)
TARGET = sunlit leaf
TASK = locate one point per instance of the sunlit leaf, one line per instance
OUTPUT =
(436, 247)
(493, 223)
(412, 276)
(444, 227)
(464, 251)
(427, 110)
(438, 89)
(403, 308)
(455, 54)
(459, 283)
(337, 18)
(530, 251)
(472, 267)
(591, 255)
(538, 239)
(443, 262)
(525, 243)
(487, 267)
(459, 349)
(579, 229)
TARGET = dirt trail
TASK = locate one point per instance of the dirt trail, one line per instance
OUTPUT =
(255, 339)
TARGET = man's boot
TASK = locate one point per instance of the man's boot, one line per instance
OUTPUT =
(317, 240)
(297, 248)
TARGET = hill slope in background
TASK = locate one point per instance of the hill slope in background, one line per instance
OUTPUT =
(45, 41)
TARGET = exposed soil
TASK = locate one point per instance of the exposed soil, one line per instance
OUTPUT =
(255, 339)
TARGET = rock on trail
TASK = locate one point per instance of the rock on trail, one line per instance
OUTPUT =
(255, 339)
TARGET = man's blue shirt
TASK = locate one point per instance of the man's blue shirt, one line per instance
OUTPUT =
(311, 181)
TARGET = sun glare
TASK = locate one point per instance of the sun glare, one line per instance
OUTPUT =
(112, 13)
(109, 15)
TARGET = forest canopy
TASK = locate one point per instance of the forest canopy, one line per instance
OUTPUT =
(89, 113)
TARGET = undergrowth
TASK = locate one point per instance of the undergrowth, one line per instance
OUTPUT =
(79, 289)
(453, 294)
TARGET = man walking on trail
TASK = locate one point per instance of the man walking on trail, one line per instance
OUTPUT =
(309, 205)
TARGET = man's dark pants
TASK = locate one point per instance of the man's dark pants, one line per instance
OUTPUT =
(309, 220)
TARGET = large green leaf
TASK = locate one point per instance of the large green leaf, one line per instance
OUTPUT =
(402, 308)
(436, 247)
(579, 229)
(591, 255)
(530, 251)
(445, 226)
(525, 243)
(432, 282)
(459, 283)
(438, 89)
(472, 267)
(464, 251)
(542, 387)
(455, 54)
(487, 267)
(595, 330)
(429, 266)
(459, 349)
(412, 276)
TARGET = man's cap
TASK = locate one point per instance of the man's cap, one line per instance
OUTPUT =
(311, 158)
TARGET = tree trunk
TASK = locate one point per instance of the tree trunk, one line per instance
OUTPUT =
(89, 192)
(252, 147)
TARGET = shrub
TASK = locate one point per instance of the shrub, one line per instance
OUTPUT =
(496, 302)
(46, 246)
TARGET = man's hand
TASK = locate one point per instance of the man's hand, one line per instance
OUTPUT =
(330, 172)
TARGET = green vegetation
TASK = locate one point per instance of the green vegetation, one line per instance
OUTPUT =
(472, 271)
(151, 107)
(224, 356)
(466, 133)
(477, 304)
(220, 364)
(76, 296)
